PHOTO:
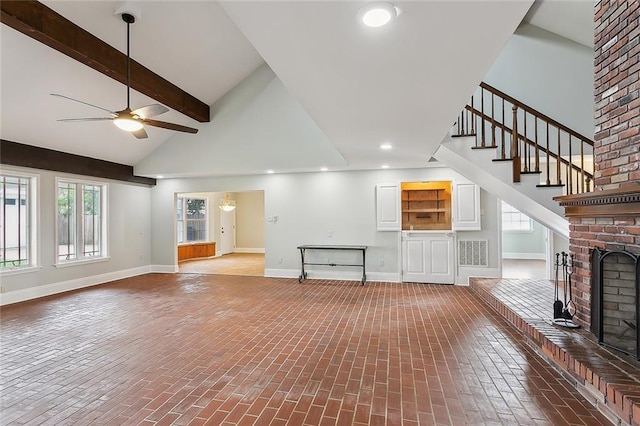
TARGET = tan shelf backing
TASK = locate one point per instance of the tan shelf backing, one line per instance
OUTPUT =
(426, 205)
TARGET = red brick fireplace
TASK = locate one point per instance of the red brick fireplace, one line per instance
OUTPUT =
(609, 217)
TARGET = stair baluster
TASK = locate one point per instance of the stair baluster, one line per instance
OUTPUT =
(515, 155)
(502, 150)
(537, 147)
(558, 162)
(569, 174)
(548, 163)
(493, 122)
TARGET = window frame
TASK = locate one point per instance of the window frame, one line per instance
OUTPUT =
(185, 220)
(514, 212)
(33, 226)
(80, 258)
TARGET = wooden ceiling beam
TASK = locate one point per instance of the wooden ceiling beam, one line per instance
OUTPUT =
(41, 23)
(35, 157)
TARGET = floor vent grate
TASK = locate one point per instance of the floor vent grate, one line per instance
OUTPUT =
(473, 253)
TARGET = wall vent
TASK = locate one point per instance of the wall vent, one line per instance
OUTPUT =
(473, 253)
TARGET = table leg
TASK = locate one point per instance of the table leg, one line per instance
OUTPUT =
(303, 275)
(364, 272)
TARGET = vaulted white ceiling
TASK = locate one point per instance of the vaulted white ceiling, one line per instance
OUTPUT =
(348, 88)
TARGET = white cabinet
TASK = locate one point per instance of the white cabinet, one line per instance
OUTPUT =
(388, 216)
(466, 206)
(428, 257)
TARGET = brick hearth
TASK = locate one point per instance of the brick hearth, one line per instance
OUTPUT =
(609, 382)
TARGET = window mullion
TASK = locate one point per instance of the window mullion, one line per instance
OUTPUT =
(80, 221)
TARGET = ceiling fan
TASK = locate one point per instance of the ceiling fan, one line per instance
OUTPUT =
(132, 121)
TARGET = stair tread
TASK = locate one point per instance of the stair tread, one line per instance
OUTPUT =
(484, 147)
(553, 185)
(531, 173)
(502, 159)
(463, 135)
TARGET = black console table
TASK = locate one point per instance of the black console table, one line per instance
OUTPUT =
(303, 249)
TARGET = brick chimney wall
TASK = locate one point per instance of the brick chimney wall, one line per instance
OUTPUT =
(617, 141)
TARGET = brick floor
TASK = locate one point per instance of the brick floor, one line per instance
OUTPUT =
(221, 350)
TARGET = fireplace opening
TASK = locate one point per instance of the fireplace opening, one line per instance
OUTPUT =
(615, 307)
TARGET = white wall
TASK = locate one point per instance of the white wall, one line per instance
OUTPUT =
(129, 230)
(308, 206)
(250, 221)
(254, 120)
(489, 232)
(549, 73)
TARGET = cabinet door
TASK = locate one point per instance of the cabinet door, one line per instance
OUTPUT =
(388, 207)
(428, 258)
(466, 206)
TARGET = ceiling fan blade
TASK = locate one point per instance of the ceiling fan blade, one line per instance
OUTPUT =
(170, 126)
(87, 119)
(150, 110)
(140, 134)
(82, 102)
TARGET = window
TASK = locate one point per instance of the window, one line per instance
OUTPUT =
(514, 220)
(81, 221)
(17, 222)
(192, 217)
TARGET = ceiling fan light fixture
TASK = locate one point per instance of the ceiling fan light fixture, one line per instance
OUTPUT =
(128, 124)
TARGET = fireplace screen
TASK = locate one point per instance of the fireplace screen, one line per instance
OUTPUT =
(614, 299)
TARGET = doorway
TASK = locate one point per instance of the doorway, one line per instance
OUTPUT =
(238, 235)
(525, 245)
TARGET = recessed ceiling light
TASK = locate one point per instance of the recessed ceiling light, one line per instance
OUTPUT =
(385, 166)
(159, 177)
(323, 169)
(377, 14)
(270, 172)
(386, 146)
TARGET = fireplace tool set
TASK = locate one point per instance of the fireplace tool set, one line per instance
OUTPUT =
(563, 311)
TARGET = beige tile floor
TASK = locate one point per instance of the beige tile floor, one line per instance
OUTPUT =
(524, 268)
(248, 264)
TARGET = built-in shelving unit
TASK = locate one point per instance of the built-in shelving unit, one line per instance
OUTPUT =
(426, 205)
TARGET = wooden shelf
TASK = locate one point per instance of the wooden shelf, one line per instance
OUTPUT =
(426, 205)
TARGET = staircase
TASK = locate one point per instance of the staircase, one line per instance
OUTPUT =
(519, 155)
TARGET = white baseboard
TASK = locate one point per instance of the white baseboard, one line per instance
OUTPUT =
(464, 273)
(164, 269)
(527, 256)
(64, 286)
(248, 250)
(334, 275)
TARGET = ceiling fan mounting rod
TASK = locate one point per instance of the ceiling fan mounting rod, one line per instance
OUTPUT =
(129, 19)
